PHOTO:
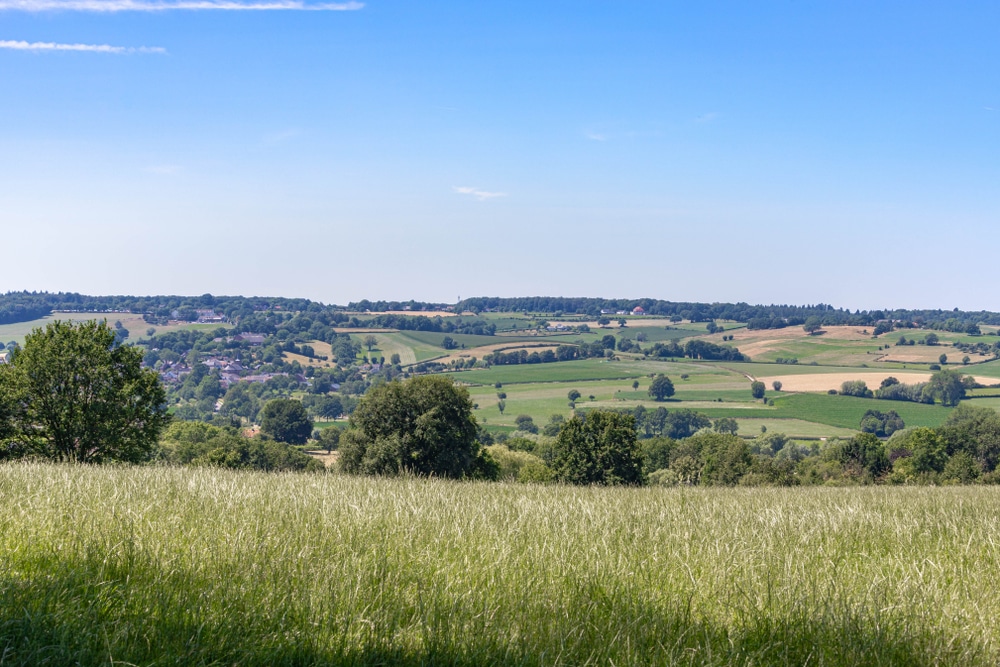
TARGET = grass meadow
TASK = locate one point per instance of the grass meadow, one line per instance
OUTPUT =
(162, 566)
(841, 411)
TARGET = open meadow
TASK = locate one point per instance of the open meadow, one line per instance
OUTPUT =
(158, 566)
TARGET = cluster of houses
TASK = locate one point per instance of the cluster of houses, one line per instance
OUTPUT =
(230, 372)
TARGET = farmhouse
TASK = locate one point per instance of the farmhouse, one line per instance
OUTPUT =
(208, 316)
(638, 310)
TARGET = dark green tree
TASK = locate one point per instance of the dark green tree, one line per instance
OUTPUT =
(598, 448)
(866, 453)
(555, 423)
(684, 423)
(661, 388)
(930, 450)
(329, 438)
(727, 458)
(573, 394)
(526, 423)
(286, 420)
(726, 425)
(757, 389)
(975, 430)
(74, 394)
(423, 426)
(947, 387)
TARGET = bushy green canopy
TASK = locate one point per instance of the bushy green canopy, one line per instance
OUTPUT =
(423, 426)
(73, 394)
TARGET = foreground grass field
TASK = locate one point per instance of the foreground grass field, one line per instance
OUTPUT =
(162, 566)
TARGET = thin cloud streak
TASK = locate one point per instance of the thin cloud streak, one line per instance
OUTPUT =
(481, 195)
(88, 48)
(112, 6)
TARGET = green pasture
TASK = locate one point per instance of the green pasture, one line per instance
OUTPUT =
(832, 352)
(541, 400)
(200, 566)
(842, 411)
(468, 340)
(653, 334)
(991, 402)
(586, 369)
(945, 338)
(987, 369)
(794, 428)
(410, 350)
(777, 370)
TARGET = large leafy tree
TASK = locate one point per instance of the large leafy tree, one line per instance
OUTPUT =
(77, 395)
(423, 426)
(947, 387)
(286, 420)
(661, 388)
(598, 448)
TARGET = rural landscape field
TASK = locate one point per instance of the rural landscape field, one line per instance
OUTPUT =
(560, 334)
(478, 483)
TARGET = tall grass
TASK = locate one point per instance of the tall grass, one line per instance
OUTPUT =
(166, 566)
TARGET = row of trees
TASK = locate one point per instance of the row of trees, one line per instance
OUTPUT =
(756, 316)
(947, 387)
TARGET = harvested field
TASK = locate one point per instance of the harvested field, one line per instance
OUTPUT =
(924, 354)
(819, 382)
(322, 350)
(324, 458)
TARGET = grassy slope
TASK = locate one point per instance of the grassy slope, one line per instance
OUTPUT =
(841, 411)
(173, 566)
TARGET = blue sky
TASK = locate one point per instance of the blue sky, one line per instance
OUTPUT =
(784, 152)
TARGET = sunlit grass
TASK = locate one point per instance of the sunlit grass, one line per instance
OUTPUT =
(195, 566)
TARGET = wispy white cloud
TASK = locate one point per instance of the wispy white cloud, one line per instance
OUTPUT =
(91, 48)
(596, 136)
(111, 6)
(707, 117)
(481, 195)
(990, 108)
